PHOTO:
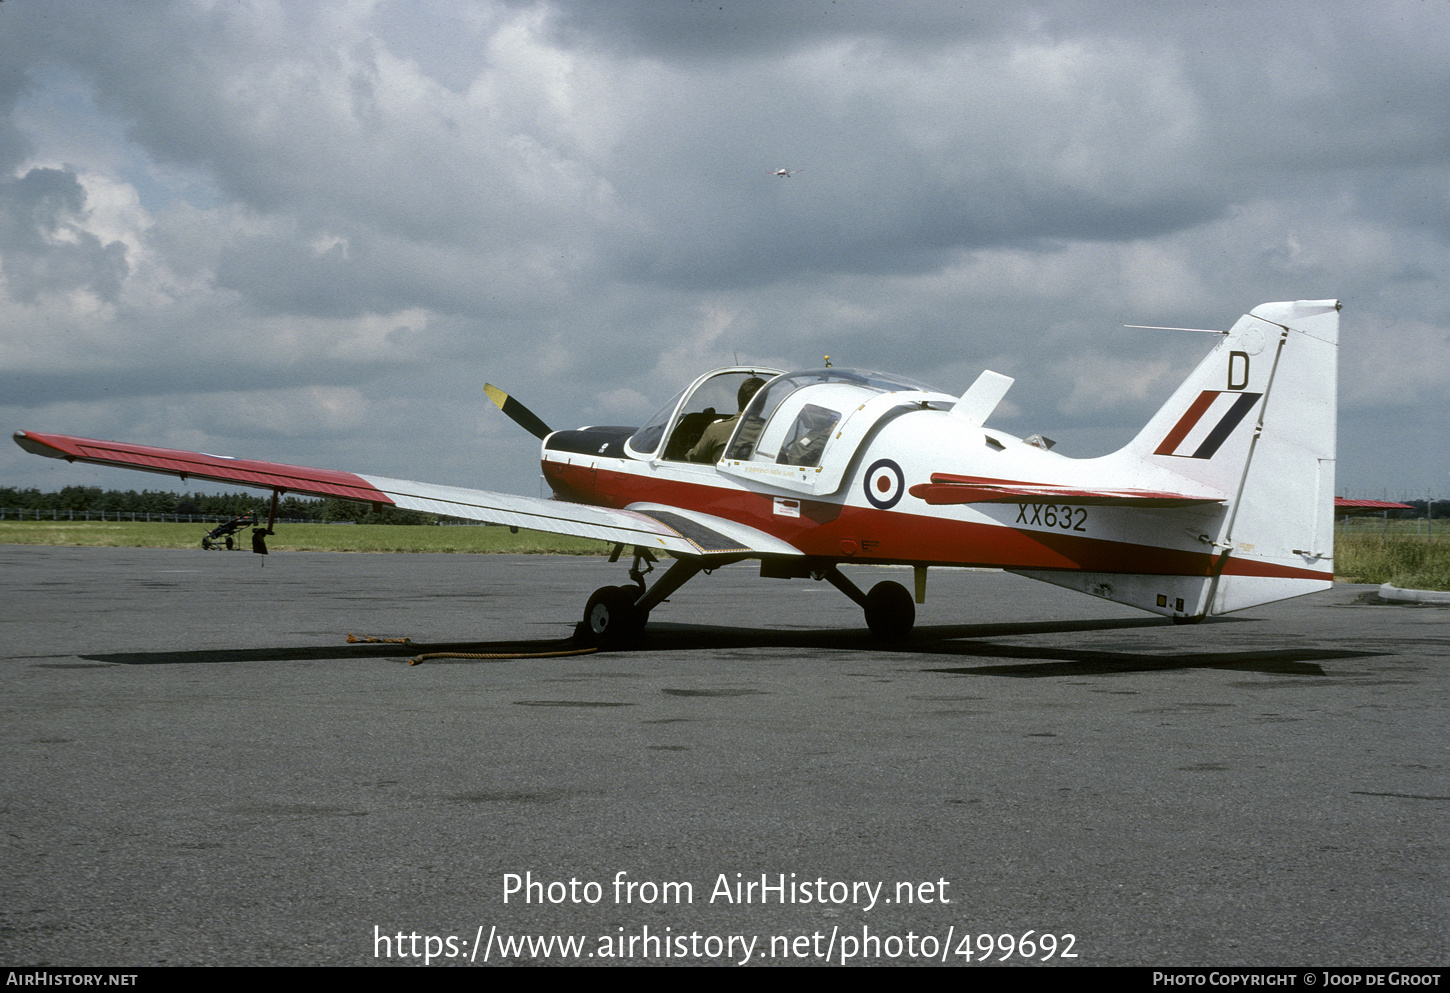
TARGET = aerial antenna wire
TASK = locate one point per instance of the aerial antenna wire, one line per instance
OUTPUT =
(1154, 327)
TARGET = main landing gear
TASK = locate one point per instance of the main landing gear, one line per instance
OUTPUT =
(616, 615)
(610, 616)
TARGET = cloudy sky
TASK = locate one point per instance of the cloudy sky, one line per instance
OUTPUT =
(310, 232)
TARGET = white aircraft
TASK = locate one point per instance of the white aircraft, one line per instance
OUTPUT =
(1223, 501)
(785, 173)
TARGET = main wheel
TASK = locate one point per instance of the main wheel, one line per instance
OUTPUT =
(890, 612)
(611, 618)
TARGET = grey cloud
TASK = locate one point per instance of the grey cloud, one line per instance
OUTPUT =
(14, 146)
(448, 42)
(279, 276)
(739, 28)
(42, 247)
(290, 120)
(1417, 198)
(576, 195)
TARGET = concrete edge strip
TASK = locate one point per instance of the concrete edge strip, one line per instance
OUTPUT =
(1388, 592)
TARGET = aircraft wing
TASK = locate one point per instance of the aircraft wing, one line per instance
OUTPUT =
(946, 488)
(670, 529)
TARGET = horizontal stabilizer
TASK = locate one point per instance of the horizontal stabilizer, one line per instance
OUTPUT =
(946, 488)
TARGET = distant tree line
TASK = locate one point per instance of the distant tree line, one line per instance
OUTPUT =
(1438, 509)
(95, 499)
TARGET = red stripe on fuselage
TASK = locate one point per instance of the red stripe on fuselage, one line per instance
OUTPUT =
(827, 529)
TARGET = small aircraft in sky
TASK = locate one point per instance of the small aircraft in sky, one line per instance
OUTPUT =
(1223, 501)
(785, 173)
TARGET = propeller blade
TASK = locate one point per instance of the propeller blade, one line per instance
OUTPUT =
(517, 412)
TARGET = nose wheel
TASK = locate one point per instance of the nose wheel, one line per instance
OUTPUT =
(889, 608)
(890, 612)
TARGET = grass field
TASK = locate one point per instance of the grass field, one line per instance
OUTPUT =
(304, 538)
(1407, 562)
(1363, 554)
(1403, 553)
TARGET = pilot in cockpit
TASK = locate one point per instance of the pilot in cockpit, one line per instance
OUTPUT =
(712, 442)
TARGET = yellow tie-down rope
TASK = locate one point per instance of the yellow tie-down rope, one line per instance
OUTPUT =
(354, 639)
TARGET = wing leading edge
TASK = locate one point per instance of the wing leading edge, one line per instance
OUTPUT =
(669, 529)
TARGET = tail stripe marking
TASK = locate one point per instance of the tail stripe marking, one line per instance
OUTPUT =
(1219, 435)
(1207, 442)
(1186, 422)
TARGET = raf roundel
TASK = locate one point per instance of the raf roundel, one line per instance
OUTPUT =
(884, 484)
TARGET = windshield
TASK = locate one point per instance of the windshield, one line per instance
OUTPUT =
(695, 422)
(647, 439)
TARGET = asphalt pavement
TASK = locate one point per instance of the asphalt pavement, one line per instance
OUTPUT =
(200, 770)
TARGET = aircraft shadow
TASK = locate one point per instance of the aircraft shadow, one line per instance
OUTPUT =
(964, 641)
(338, 653)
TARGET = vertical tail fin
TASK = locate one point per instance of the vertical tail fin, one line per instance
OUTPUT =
(1255, 423)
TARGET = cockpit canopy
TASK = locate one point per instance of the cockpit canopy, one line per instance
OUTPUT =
(790, 427)
(795, 420)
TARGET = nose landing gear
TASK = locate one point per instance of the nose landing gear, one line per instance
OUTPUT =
(890, 612)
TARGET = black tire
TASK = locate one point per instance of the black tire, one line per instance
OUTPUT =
(890, 611)
(230, 544)
(611, 618)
